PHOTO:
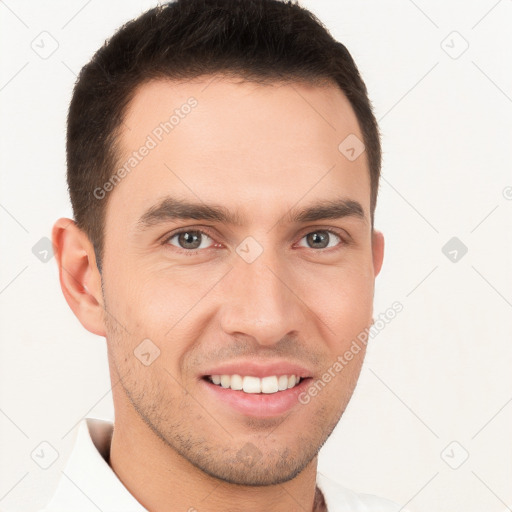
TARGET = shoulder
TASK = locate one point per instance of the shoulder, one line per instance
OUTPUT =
(341, 499)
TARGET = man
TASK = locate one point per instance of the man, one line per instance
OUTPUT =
(223, 168)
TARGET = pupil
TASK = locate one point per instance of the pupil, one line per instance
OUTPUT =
(318, 238)
(190, 240)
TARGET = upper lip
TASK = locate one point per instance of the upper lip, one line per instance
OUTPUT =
(259, 369)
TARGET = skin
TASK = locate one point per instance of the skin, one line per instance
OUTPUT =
(260, 150)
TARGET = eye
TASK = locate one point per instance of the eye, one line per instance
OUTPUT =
(321, 239)
(190, 239)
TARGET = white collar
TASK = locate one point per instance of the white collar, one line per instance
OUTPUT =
(88, 483)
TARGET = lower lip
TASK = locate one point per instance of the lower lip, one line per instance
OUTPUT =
(261, 405)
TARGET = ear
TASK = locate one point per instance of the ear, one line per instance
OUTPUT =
(377, 251)
(79, 277)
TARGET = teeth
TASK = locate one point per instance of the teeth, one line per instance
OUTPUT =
(250, 384)
(237, 383)
(269, 385)
(282, 383)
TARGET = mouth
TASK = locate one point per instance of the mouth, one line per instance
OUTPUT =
(254, 385)
(265, 397)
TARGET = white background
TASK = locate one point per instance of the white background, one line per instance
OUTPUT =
(438, 373)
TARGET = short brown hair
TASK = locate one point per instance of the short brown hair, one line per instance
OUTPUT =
(272, 40)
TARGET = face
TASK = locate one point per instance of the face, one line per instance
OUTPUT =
(238, 243)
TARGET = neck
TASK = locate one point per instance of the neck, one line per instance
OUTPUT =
(152, 472)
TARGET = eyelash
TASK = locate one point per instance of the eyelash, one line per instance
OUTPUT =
(194, 252)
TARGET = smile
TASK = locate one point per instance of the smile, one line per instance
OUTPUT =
(253, 385)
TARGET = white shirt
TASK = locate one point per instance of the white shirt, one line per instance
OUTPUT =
(88, 483)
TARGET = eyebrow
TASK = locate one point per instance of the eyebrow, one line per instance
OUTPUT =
(171, 208)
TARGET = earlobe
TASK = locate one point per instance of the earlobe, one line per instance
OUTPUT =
(377, 250)
(79, 277)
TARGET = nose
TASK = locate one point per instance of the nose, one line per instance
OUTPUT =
(260, 301)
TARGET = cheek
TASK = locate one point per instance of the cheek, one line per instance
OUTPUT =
(165, 296)
(341, 297)
(161, 305)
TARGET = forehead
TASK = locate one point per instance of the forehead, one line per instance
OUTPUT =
(231, 141)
